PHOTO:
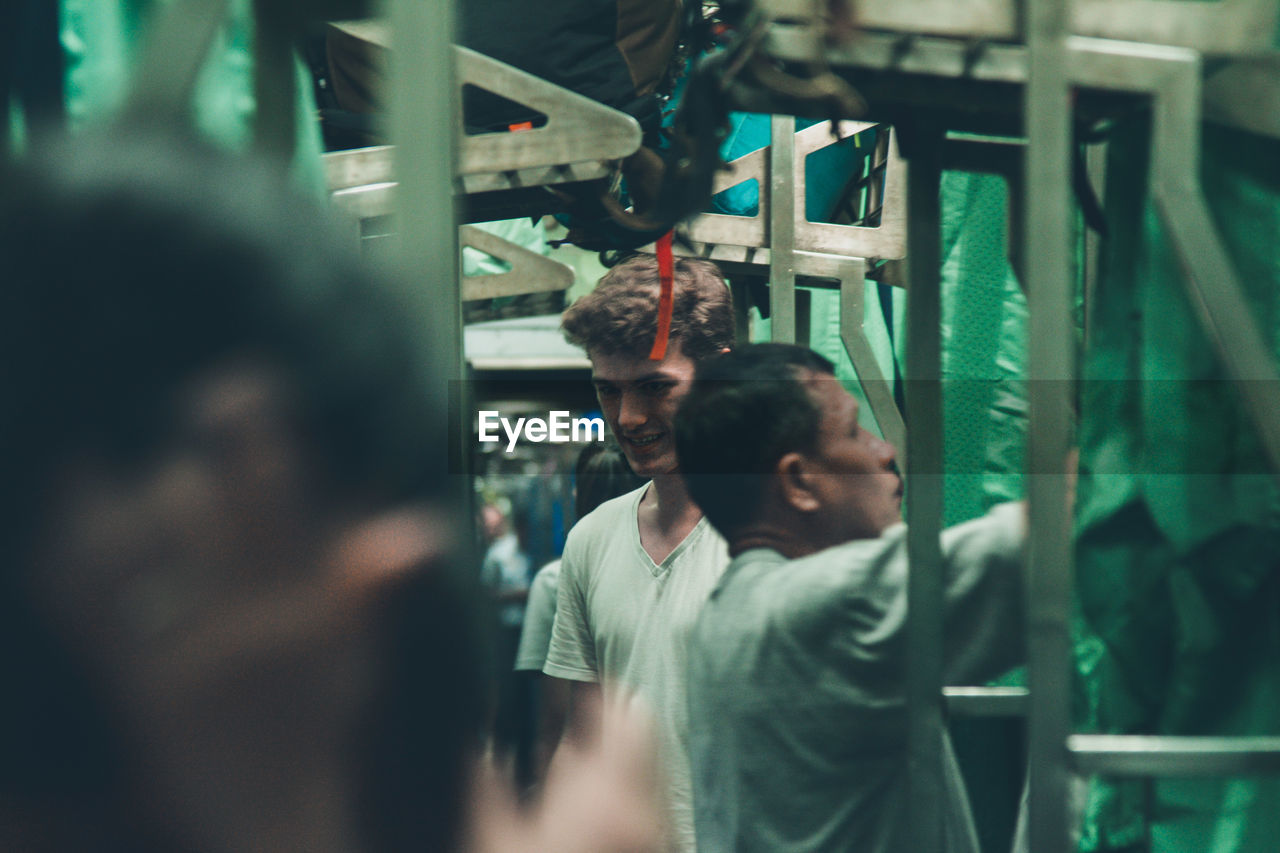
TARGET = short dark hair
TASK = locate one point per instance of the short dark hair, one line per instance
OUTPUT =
(129, 268)
(621, 314)
(745, 410)
(601, 473)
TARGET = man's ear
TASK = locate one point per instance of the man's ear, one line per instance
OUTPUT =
(796, 483)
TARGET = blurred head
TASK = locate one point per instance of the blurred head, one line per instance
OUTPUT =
(493, 521)
(227, 454)
(767, 437)
(601, 473)
(616, 323)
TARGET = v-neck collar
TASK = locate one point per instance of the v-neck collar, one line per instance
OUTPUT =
(658, 570)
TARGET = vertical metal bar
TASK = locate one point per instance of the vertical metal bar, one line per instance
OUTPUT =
(1016, 221)
(425, 123)
(740, 287)
(1047, 115)
(782, 229)
(924, 495)
(877, 169)
(275, 82)
(804, 317)
(1095, 158)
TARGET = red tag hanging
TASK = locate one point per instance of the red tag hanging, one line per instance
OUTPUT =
(666, 297)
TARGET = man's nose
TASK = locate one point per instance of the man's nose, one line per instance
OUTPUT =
(631, 411)
(889, 456)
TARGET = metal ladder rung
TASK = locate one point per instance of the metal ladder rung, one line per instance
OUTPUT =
(986, 701)
(1165, 755)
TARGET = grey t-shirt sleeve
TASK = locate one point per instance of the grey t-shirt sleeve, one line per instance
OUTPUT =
(986, 609)
(572, 653)
(539, 614)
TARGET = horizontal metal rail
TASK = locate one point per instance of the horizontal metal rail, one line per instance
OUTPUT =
(1162, 755)
(986, 701)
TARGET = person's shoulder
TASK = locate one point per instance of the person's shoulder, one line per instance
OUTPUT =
(548, 576)
(856, 552)
(602, 529)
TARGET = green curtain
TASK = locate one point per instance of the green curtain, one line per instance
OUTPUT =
(1178, 523)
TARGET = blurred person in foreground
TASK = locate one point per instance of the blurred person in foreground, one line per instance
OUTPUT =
(797, 691)
(231, 610)
(600, 473)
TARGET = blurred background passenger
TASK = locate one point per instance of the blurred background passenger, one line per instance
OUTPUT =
(505, 572)
(600, 473)
(231, 610)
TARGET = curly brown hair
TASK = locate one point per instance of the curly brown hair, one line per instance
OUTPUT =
(621, 314)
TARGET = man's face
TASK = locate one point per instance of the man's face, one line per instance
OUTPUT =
(862, 494)
(209, 576)
(639, 398)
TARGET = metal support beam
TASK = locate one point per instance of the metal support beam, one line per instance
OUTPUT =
(275, 81)
(986, 701)
(1149, 756)
(925, 730)
(782, 229)
(423, 102)
(530, 272)
(877, 389)
(1047, 116)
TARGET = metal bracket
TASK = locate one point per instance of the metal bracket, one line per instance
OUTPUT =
(578, 131)
(747, 239)
(530, 272)
(581, 141)
(851, 273)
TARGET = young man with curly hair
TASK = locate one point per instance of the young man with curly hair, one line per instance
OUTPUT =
(637, 570)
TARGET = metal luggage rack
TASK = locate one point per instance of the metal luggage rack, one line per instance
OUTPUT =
(499, 175)
(582, 140)
(942, 66)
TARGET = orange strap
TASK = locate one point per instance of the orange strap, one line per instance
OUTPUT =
(666, 297)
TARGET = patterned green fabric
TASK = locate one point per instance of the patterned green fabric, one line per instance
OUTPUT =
(984, 345)
(1178, 548)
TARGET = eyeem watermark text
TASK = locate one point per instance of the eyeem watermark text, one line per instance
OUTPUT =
(558, 428)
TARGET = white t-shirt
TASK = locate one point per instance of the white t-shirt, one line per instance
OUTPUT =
(539, 614)
(623, 620)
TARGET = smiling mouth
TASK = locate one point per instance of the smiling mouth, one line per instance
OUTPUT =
(644, 440)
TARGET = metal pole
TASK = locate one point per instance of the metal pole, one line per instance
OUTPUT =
(275, 84)
(1048, 241)
(924, 495)
(424, 127)
(782, 229)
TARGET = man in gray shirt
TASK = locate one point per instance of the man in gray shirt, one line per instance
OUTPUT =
(797, 709)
